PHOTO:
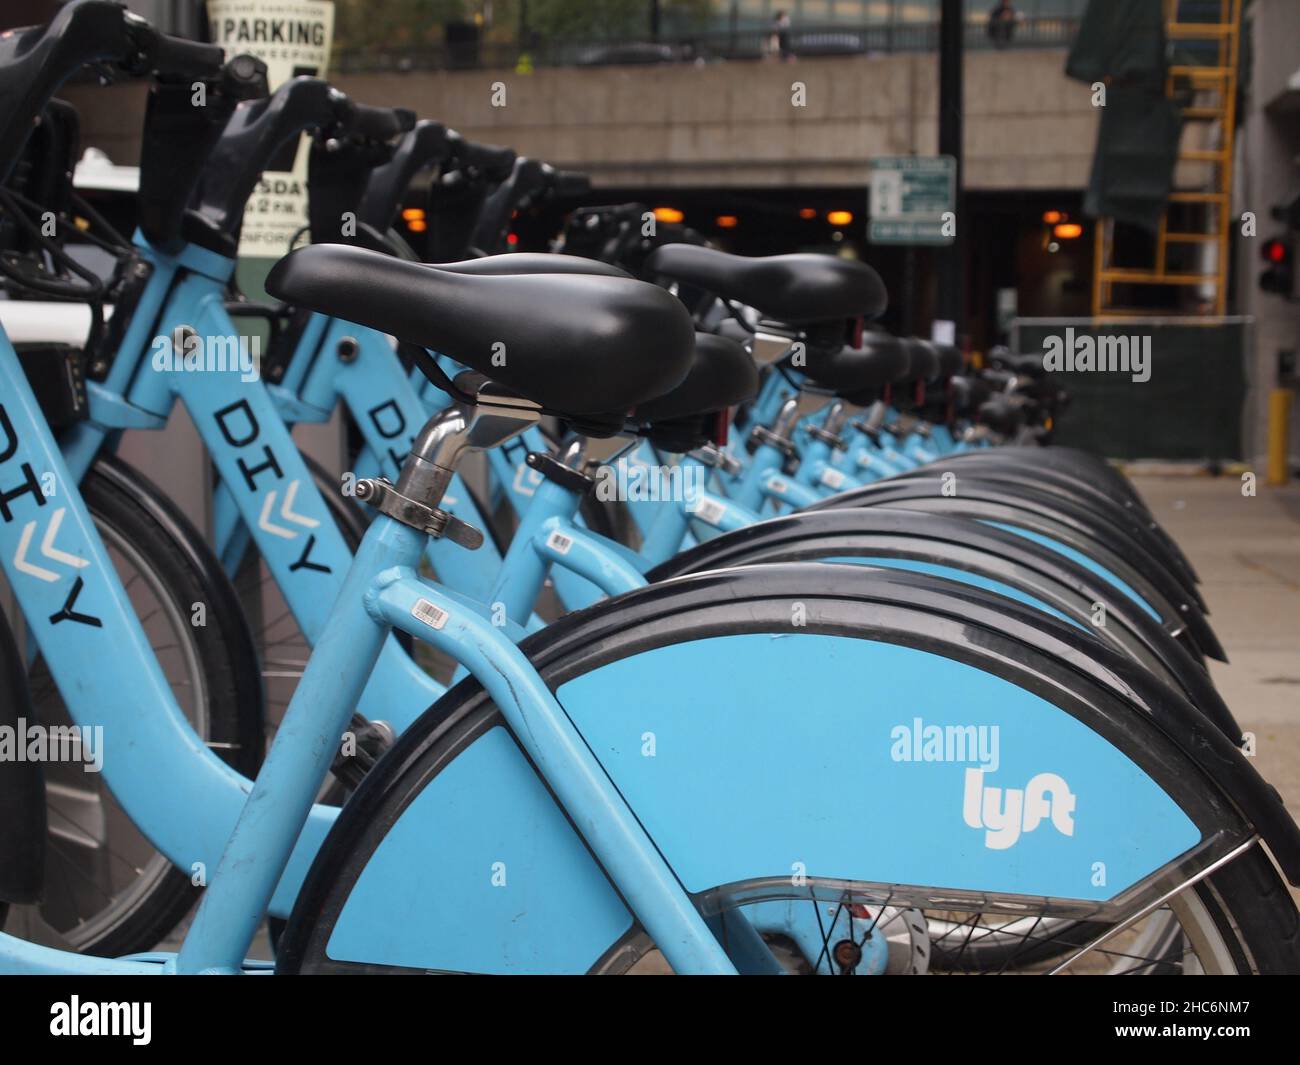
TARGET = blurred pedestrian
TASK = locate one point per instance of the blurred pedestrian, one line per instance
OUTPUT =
(779, 42)
(1002, 23)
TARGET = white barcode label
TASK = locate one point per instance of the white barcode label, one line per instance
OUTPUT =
(559, 543)
(425, 611)
(832, 478)
(709, 511)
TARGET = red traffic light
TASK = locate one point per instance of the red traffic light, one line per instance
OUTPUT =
(1279, 278)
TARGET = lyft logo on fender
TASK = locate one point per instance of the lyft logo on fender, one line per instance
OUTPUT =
(1005, 814)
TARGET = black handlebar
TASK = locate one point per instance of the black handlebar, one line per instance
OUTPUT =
(256, 132)
(244, 78)
(569, 183)
(529, 180)
(528, 176)
(250, 141)
(379, 123)
(178, 138)
(492, 161)
(339, 170)
(426, 145)
(35, 61)
(175, 57)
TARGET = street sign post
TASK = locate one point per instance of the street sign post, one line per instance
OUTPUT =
(910, 194)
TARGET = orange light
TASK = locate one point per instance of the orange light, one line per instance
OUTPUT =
(839, 218)
(1053, 217)
(727, 221)
(668, 214)
(807, 212)
(413, 214)
(417, 225)
(1068, 231)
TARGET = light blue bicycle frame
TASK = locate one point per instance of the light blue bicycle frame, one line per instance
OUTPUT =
(264, 478)
(266, 836)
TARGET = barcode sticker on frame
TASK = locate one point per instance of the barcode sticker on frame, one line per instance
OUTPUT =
(709, 511)
(425, 611)
(559, 543)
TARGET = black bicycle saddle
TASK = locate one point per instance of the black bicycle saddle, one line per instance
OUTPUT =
(576, 344)
(788, 288)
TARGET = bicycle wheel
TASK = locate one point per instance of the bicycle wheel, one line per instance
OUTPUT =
(453, 856)
(107, 890)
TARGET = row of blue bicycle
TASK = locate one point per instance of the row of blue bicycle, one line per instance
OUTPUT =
(757, 640)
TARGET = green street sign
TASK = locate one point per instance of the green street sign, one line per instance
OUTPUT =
(910, 194)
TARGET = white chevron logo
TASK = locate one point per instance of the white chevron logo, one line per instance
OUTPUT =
(47, 549)
(526, 479)
(286, 512)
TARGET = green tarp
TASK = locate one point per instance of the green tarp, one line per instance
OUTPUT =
(1122, 40)
(1137, 150)
(1122, 44)
(1191, 407)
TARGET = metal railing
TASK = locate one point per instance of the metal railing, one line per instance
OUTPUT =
(805, 42)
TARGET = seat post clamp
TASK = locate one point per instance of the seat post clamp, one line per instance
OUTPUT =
(825, 436)
(768, 438)
(379, 493)
(716, 458)
(557, 472)
(871, 432)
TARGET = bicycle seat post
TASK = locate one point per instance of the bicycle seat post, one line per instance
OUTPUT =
(486, 418)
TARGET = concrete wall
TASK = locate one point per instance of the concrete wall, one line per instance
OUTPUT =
(736, 123)
(733, 124)
(1268, 150)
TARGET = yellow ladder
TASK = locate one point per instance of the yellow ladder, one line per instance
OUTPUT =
(1214, 103)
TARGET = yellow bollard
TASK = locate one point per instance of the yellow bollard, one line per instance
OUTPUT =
(1280, 401)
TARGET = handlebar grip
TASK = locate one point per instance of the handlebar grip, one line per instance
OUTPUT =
(177, 57)
(245, 77)
(427, 144)
(380, 123)
(493, 159)
(570, 183)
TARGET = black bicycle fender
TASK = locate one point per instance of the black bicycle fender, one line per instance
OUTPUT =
(973, 494)
(960, 543)
(998, 467)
